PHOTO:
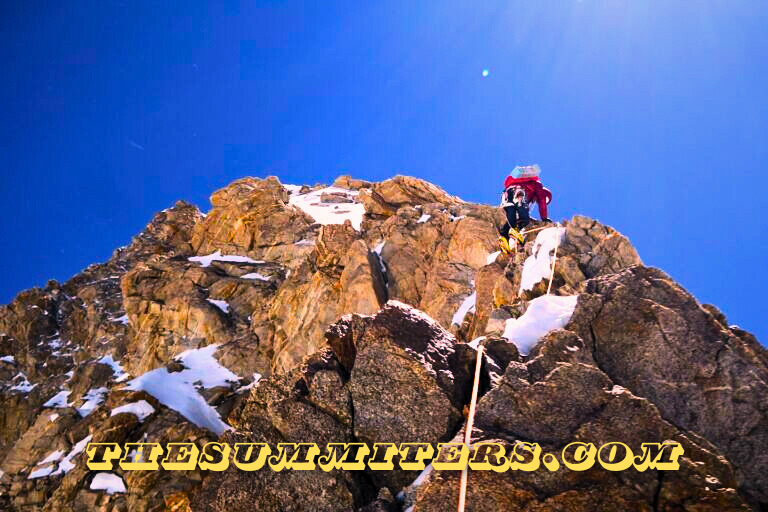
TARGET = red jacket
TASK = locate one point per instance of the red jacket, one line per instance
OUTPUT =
(534, 191)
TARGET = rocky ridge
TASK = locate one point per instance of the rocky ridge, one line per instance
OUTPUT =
(350, 313)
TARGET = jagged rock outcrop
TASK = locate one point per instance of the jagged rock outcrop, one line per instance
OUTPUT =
(293, 314)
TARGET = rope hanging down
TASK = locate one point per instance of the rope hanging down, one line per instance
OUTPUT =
(554, 258)
(470, 425)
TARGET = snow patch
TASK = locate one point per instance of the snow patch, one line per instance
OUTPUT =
(248, 387)
(475, 343)
(256, 275)
(538, 265)
(8, 359)
(122, 320)
(492, 257)
(466, 306)
(142, 409)
(205, 261)
(117, 370)
(93, 398)
(544, 314)
(39, 473)
(330, 213)
(58, 400)
(67, 465)
(24, 386)
(221, 304)
(53, 457)
(424, 218)
(107, 482)
(177, 390)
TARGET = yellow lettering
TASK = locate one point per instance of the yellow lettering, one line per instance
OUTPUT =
(648, 460)
(181, 457)
(258, 462)
(108, 451)
(141, 456)
(615, 466)
(451, 456)
(287, 456)
(214, 457)
(489, 456)
(517, 460)
(583, 457)
(339, 455)
(381, 460)
(421, 451)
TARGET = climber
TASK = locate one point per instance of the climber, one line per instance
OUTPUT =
(521, 189)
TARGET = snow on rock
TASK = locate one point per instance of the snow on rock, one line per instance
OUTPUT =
(466, 306)
(53, 457)
(538, 265)
(122, 320)
(93, 398)
(292, 189)
(205, 261)
(424, 218)
(24, 385)
(142, 409)
(117, 370)
(544, 314)
(39, 473)
(377, 250)
(255, 275)
(248, 387)
(475, 343)
(67, 465)
(330, 213)
(58, 400)
(107, 482)
(492, 257)
(221, 304)
(8, 359)
(177, 390)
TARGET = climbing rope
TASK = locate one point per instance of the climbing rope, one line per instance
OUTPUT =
(470, 425)
(554, 258)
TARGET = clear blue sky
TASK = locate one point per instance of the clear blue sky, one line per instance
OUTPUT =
(651, 116)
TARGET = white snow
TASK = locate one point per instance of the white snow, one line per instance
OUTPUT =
(58, 400)
(142, 409)
(221, 304)
(248, 387)
(24, 386)
(255, 275)
(177, 390)
(292, 189)
(304, 243)
(330, 213)
(544, 314)
(93, 398)
(466, 306)
(39, 473)
(107, 482)
(205, 261)
(492, 257)
(538, 265)
(424, 218)
(377, 250)
(53, 457)
(8, 359)
(117, 370)
(54, 416)
(66, 465)
(122, 319)
(475, 343)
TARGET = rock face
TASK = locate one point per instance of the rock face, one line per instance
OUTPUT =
(343, 315)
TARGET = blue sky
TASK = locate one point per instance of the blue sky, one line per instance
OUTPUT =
(651, 116)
